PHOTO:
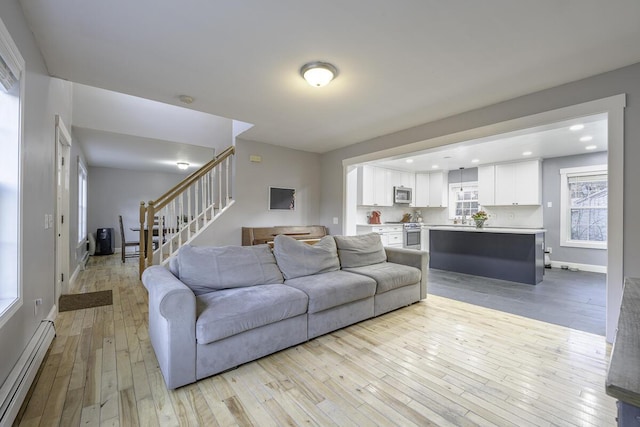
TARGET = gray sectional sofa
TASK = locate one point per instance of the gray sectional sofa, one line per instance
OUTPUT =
(218, 307)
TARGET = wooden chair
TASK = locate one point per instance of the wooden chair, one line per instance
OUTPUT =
(125, 244)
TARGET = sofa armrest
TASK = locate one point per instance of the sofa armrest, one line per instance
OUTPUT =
(172, 325)
(412, 258)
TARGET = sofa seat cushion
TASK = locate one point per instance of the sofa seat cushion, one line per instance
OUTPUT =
(298, 259)
(208, 268)
(389, 275)
(332, 289)
(228, 312)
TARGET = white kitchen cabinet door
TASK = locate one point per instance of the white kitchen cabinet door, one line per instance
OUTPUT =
(421, 192)
(395, 240)
(487, 185)
(518, 183)
(394, 177)
(438, 190)
(365, 185)
(505, 184)
(383, 191)
(374, 188)
(408, 179)
(528, 191)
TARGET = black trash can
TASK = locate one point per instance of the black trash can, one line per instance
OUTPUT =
(105, 241)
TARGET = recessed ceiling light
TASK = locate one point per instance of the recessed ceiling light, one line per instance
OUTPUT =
(586, 138)
(182, 165)
(475, 160)
(434, 166)
(527, 153)
(590, 147)
(576, 127)
(409, 160)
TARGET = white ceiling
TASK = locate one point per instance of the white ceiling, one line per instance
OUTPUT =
(128, 132)
(552, 140)
(400, 63)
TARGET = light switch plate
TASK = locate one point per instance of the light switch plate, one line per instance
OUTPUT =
(549, 204)
(335, 219)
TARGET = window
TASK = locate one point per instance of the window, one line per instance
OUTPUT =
(583, 222)
(464, 203)
(11, 94)
(82, 202)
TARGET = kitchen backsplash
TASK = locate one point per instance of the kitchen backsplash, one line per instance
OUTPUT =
(499, 216)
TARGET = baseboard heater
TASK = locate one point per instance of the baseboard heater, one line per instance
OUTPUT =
(15, 388)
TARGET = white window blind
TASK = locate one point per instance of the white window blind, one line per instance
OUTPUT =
(7, 78)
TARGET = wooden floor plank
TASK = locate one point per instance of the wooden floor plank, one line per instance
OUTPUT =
(438, 362)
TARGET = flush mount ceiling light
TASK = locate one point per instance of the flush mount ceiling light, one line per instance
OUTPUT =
(576, 127)
(318, 73)
(182, 165)
(590, 147)
(527, 153)
(586, 138)
(409, 160)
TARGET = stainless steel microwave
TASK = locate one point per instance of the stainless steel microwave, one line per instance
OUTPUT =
(402, 195)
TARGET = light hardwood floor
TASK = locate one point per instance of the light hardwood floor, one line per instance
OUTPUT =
(438, 362)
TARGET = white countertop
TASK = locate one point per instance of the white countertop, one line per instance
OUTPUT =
(472, 228)
(380, 225)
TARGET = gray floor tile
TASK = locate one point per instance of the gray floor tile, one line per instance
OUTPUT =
(573, 299)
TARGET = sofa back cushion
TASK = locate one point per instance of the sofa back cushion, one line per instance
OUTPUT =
(297, 259)
(361, 250)
(207, 268)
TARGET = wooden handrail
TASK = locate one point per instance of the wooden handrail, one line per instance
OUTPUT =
(199, 190)
(163, 200)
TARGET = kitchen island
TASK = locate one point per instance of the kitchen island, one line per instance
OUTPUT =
(514, 254)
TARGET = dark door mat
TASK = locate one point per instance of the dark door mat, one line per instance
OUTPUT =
(88, 300)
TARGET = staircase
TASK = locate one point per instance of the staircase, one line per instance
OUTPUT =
(184, 211)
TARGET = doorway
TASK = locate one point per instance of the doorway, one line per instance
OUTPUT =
(61, 216)
(613, 107)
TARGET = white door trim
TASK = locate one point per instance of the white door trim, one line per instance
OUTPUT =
(61, 216)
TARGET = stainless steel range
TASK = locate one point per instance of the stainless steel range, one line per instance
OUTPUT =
(411, 235)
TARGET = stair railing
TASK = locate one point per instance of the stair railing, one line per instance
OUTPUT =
(181, 213)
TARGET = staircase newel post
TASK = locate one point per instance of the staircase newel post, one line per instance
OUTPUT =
(141, 265)
(151, 214)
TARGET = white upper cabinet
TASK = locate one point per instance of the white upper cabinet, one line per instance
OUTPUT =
(438, 189)
(517, 183)
(408, 179)
(374, 186)
(431, 190)
(487, 185)
(421, 193)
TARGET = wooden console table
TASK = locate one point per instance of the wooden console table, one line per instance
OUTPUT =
(623, 378)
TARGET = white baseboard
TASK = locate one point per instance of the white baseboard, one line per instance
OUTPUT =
(17, 385)
(74, 276)
(53, 314)
(581, 267)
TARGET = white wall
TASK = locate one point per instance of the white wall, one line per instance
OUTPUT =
(114, 192)
(280, 167)
(44, 98)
